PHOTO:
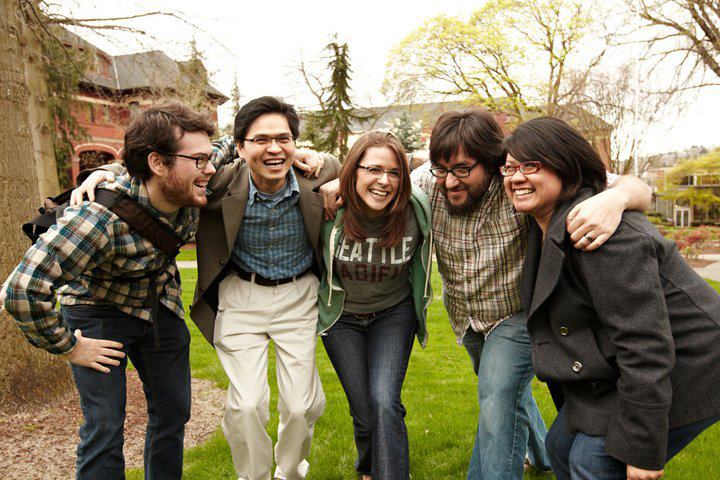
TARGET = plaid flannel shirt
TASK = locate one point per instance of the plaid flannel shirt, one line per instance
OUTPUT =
(480, 257)
(91, 257)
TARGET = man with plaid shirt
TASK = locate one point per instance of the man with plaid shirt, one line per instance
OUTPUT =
(480, 244)
(101, 269)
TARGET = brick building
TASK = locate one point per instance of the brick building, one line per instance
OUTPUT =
(114, 88)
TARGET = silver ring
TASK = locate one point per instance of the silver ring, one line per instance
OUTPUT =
(589, 238)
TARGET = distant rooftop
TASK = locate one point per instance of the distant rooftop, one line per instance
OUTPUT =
(149, 70)
(428, 112)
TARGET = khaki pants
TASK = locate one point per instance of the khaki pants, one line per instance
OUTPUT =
(249, 316)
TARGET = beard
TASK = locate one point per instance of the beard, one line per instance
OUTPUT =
(475, 194)
(180, 193)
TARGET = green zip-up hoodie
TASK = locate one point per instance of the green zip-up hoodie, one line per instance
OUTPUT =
(331, 301)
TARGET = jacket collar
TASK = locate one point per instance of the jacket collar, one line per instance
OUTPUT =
(544, 259)
(236, 200)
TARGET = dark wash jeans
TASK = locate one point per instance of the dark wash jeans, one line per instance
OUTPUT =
(582, 457)
(371, 357)
(165, 374)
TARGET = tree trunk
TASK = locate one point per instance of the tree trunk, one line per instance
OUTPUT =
(27, 374)
(41, 120)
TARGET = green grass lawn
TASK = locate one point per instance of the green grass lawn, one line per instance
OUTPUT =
(187, 254)
(439, 394)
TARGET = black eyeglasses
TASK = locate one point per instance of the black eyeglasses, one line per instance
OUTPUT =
(200, 161)
(508, 170)
(460, 171)
(266, 141)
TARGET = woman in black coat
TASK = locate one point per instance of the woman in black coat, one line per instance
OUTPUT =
(627, 336)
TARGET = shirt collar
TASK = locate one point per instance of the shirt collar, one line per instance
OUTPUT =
(291, 186)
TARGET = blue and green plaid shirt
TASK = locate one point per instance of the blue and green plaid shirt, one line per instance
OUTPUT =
(92, 257)
(272, 240)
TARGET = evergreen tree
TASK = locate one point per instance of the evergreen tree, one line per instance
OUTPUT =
(235, 95)
(338, 109)
(407, 132)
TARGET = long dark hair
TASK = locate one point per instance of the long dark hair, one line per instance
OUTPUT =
(355, 219)
(556, 144)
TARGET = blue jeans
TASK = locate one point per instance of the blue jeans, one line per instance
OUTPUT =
(510, 424)
(582, 457)
(371, 357)
(165, 374)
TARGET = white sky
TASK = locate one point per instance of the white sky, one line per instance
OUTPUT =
(262, 42)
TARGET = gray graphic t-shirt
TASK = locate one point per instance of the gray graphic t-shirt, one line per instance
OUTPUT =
(375, 278)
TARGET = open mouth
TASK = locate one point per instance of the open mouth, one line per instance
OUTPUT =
(379, 194)
(521, 192)
(274, 163)
(201, 184)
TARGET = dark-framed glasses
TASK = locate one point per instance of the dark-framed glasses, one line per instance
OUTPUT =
(461, 171)
(262, 141)
(377, 172)
(508, 170)
(200, 161)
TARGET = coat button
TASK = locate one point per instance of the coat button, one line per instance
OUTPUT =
(222, 262)
(564, 331)
(577, 367)
(594, 385)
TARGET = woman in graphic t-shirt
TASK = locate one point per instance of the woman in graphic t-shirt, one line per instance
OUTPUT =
(374, 295)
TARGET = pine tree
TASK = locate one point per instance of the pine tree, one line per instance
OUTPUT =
(407, 132)
(338, 113)
(235, 95)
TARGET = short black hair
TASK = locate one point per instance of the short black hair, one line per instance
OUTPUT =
(260, 106)
(474, 132)
(556, 144)
(160, 128)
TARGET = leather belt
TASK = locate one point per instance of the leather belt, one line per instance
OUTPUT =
(368, 316)
(266, 282)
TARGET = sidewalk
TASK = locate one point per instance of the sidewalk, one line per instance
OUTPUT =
(711, 271)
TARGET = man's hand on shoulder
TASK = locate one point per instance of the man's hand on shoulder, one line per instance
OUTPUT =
(309, 162)
(93, 353)
(331, 198)
(89, 185)
(591, 222)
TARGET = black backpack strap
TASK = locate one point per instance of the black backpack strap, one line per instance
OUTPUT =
(135, 215)
(51, 210)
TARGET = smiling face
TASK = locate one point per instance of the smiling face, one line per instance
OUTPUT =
(377, 192)
(534, 193)
(268, 164)
(463, 194)
(184, 185)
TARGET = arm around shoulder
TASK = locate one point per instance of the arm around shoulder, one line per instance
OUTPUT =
(632, 192)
